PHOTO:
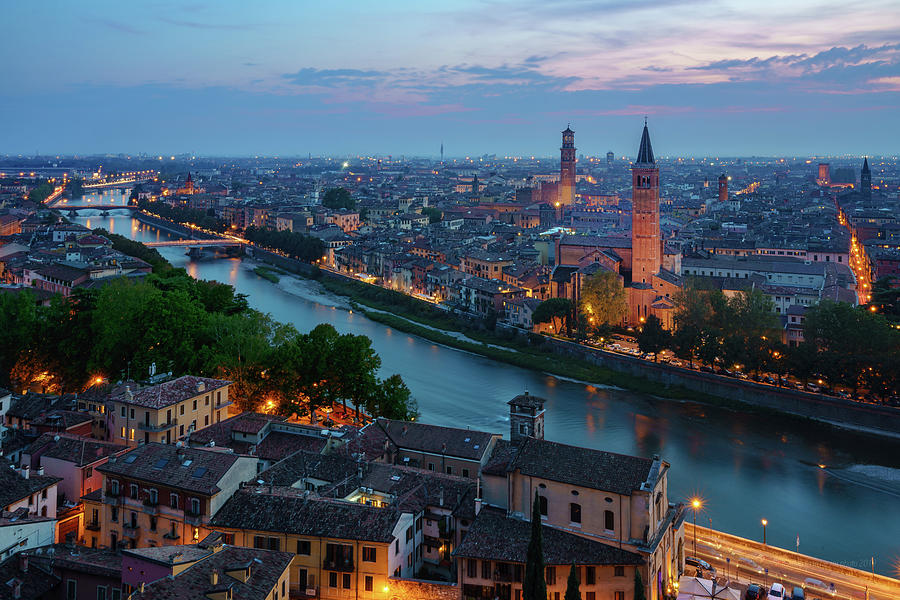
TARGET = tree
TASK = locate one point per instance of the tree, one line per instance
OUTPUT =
(338, 197)
(534, 587)
(603, 299)
(638, 586)
(434, 214)
(653, 338)
(556, 311)
(572, 592)
(392, 399)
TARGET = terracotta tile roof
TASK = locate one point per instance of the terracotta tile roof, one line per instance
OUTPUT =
(494, 536)
(597, 469)
(222, 433)
(289, 510)
(171, 392)
(73, 448)
(14, 487)
(266, 567)
(197, 470)
(64, 419)
(279, 444)
(36, 583)
(93, 561)
(462, 443)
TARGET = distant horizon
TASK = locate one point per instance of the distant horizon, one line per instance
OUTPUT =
(230, 78)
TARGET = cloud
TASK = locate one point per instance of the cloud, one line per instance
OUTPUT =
(212, 26)
(333, 77)
(116, 25)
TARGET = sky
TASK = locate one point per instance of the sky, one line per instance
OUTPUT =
(714, 78)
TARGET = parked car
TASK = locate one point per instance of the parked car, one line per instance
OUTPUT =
(819, 586)
(704, 569)
(754, 592)
(798, 594)
(776, 592)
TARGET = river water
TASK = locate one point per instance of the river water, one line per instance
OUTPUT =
(838, 491)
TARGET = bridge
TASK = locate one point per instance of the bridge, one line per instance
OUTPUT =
(218, 243)
(120, 181)
(95, 207)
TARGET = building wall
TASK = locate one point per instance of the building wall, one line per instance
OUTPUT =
(210, 409)
(498, 585)
(17, 537)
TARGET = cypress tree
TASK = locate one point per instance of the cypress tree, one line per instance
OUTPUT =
(534, 587)
(638, 586)
(572, 592)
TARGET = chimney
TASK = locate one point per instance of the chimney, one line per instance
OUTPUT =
(141, 588)
(26, 471)
(477, 506)
(214, 577)
(128, 395)
(23, 563)
(40, 470)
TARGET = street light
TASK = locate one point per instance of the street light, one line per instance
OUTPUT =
(764, 523)
(696, 504)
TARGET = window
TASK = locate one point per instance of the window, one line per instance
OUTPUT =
(465, 472)
(369, 583)
(431, 466)
(114, 513)
(485, 569)
(620, 596)
(71, 589)
(302, 579)
(609, 520)
(274, 544)
(259, 542)
(172, 532)
(101, 592)
(88, 471)
(471, 568)
(409, 533)
(205, 420)
(304, 548)
(575, 512)
(590, 577)
(195, 506)
(123, 411)
(206, 400)
(123, 434)
(132, 413)
(619, 571)
(542, 505)
(173, 500)
(154, 497)
(396, 546)
(153, 522)
(332, 579)
(115, 594)
(218, 398)
(368, 554)
(449, 470)
(550, 575)
(590, 596)
(346, 581)
(181, 409)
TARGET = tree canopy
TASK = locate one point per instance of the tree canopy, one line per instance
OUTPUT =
(338, 197)
(602, 299)
(557, 311)
(297, 245)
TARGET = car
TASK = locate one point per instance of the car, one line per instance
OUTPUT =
(798, 594)
(703, 567)
(754, 592)
(749, 564)
(776, 592)
(819, 586)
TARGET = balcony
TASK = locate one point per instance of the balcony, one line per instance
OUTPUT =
(338, 565)
(92, 525)
(172, 536)
(192, 518)
(131, 530)
(156, 427)
(151, 507)
(112, 499)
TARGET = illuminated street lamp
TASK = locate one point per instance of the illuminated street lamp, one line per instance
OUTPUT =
(696, 504)
(764, 523)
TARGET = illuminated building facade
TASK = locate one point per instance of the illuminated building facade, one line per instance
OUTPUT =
(567, 168)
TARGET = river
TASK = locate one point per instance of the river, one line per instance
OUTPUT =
(838, 491)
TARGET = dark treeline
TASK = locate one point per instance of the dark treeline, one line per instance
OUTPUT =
(184, 215)
(188, 326)
(297, 245)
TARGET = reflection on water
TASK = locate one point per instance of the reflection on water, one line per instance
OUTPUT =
(745, 466)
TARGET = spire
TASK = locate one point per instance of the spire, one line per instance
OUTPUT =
(645, 154)
(865, 168)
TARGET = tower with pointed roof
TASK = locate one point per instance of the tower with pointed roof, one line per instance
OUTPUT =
(723, 188)
(566, 188)
(865, 180)
(646, 244)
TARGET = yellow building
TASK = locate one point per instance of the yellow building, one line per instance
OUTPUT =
(343, 549)
(161, 495)
(168, 411)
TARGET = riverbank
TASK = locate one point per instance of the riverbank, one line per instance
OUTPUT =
(531, 351)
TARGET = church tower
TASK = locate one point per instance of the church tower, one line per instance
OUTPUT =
(526, 417)
(865, 180)
(723, 188)
(567, 168)
(646, 245)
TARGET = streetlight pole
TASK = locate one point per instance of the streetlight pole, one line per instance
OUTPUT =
(764, 523)
(696, 504)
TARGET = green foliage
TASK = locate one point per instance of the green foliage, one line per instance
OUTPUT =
(267, 274)
(653, 338)
(40, 192)
(184, 215)
(434, 214)
(557, 311)
(602, 299)
(639, 586)
(572, 592)
(534, 587)
(338, 197)
(76, 187)
(297, 245)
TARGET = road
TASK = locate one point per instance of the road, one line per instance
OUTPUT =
(749, 559)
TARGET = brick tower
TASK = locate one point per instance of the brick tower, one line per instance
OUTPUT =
(567, 168)
(865, 180)
(723, 188)
(646, 245)
(526, 417)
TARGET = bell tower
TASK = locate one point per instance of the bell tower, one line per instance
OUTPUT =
(865, 180)
(567, 168)
(526, 417)
(646, 244)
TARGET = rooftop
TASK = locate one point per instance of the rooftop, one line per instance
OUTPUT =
(171, 392)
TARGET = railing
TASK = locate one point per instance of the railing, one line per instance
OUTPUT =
(92, 525)
(192, 518)
(156, 427)
(334, 565)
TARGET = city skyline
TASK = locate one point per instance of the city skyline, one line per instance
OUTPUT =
(502, 78)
